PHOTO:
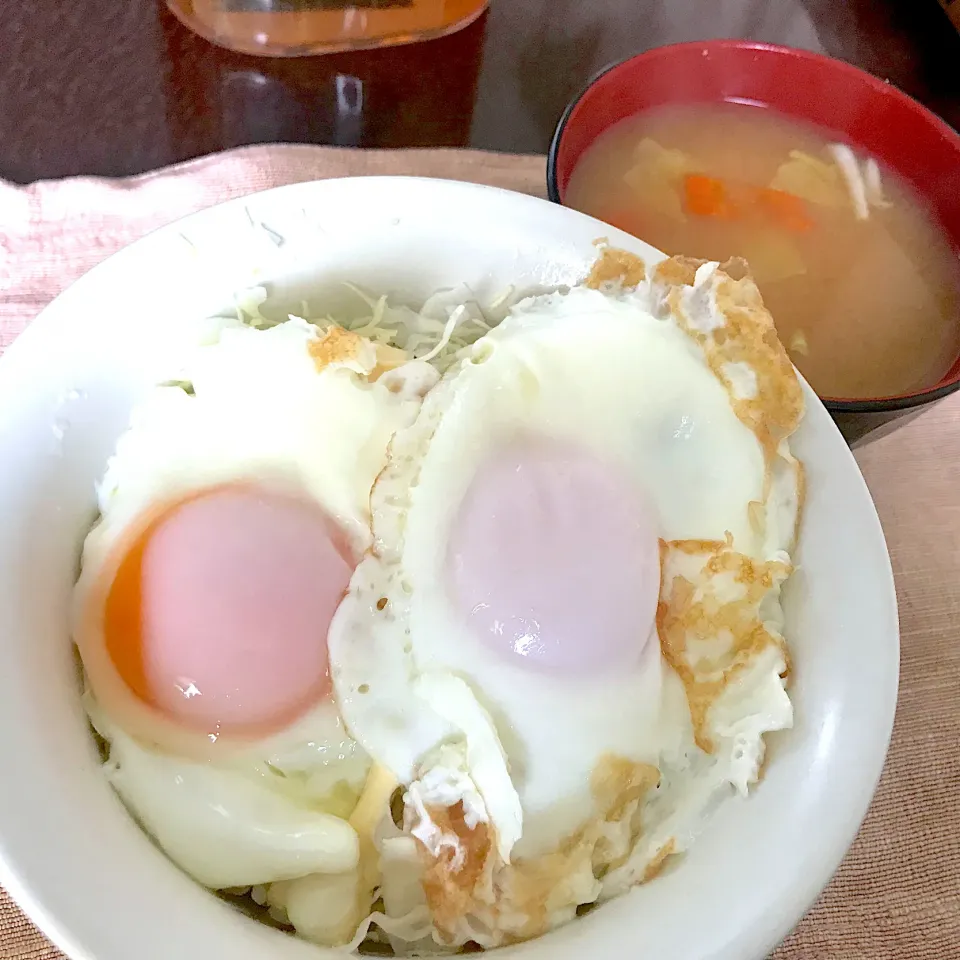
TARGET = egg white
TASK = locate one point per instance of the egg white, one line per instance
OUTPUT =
(260, 410)
(606, 374)
(256, 407)
(250, 820)
(618, 376)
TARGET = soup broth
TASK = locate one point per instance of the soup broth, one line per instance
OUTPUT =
(862, 284)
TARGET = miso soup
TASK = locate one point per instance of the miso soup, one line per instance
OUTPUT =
(861, 281)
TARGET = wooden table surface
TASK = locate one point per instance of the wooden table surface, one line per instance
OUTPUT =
(117, 87)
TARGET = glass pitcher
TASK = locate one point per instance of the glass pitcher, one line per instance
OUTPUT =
(293, 28)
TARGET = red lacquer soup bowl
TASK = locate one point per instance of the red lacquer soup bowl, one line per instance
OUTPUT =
(871, 114)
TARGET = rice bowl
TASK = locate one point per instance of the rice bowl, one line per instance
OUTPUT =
(89, 396)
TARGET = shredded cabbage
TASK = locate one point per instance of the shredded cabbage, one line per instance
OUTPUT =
(449, 321)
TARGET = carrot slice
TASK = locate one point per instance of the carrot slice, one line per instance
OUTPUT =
(708, 197)
(784, 209)
(711, 197)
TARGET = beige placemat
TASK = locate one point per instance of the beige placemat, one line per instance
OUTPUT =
(897, 894)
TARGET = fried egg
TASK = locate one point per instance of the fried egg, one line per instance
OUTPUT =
(566, 641)
(224, 741)
(430, 661)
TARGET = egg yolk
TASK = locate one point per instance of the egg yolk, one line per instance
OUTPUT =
(219, 611)
(554, 559)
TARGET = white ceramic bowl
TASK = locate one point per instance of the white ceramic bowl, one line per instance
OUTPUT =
(68, 851)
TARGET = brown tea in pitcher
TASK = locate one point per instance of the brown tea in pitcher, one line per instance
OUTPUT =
(291, 28)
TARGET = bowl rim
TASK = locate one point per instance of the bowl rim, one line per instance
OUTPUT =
(886, 404)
